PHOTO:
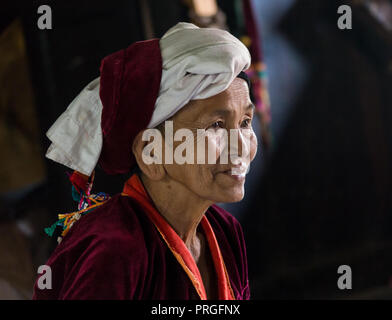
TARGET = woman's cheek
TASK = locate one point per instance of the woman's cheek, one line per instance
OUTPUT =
(215, 146)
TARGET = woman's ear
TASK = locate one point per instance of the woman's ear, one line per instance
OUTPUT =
(148, 154)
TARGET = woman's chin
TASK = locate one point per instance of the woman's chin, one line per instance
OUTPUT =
(230, 195)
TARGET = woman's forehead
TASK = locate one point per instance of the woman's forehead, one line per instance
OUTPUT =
(235, 99)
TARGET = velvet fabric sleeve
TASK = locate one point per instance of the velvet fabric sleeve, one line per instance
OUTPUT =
(101, 272)
(102, 257)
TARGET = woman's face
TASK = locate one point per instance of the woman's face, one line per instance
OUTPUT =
(218, 170)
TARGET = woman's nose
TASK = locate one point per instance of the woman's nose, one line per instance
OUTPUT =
(239, 146)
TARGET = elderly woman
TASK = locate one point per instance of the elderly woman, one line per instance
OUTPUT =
(162, 237)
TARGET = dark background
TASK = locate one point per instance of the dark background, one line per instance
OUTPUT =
(318, 199)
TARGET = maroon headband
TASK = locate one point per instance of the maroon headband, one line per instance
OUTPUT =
(129, 86)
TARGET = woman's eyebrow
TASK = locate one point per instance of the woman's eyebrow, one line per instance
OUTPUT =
(224, 112)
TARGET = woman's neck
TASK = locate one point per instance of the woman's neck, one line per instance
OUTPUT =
(181, 207)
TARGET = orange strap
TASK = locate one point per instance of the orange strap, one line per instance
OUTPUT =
(135, 189)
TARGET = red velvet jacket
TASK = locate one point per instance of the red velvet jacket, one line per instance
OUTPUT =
(115, 252)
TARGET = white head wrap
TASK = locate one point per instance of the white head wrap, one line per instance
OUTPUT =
(197, 63)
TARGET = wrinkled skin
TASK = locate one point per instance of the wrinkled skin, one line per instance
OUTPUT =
(231, 109)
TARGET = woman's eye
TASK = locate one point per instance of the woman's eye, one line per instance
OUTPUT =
(217, 124)
(246, 123)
